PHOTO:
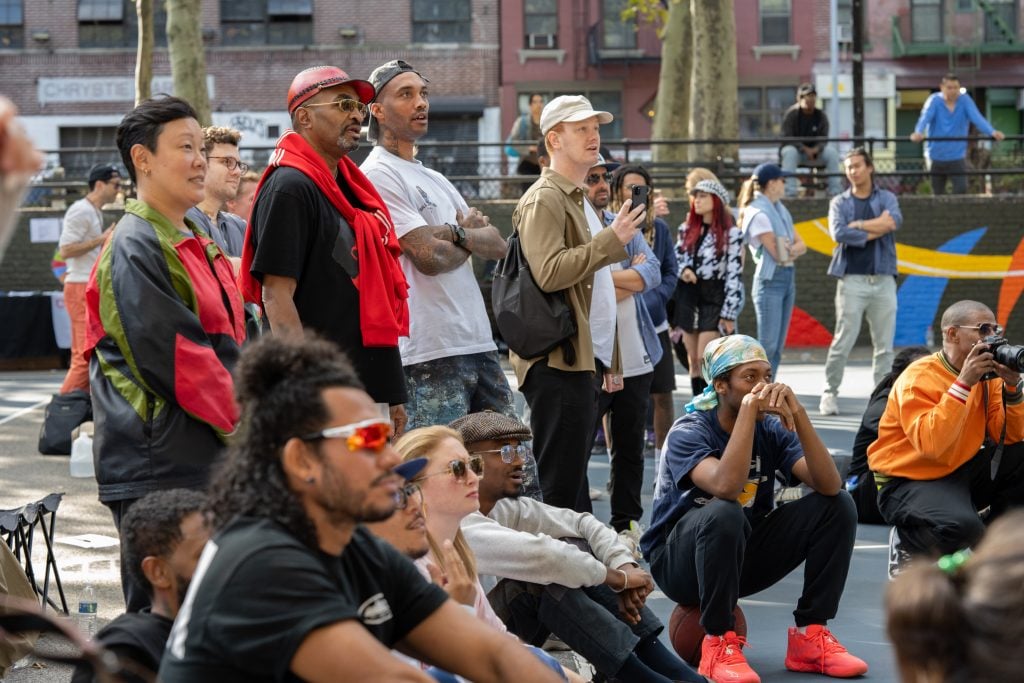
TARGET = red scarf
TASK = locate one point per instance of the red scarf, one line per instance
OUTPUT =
(383, 291)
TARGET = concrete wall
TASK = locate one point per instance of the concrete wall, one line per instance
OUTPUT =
(970, 248)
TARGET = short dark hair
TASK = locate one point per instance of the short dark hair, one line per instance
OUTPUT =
(278, 385)
(950, 76)
(861, 152)
(152, 528)
(142, 125)
(529, 100)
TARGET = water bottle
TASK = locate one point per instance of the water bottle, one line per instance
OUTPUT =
(87, 611)
(81, 456)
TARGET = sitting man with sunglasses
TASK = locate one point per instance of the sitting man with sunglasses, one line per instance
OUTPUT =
(585, 588)
(949, 441)
(290, 586)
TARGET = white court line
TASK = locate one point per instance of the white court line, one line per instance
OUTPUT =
(23, 411)
(883, 546)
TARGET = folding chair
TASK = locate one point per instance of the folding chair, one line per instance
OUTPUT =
(18, 528)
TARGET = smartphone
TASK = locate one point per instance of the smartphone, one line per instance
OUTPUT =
(640, 194)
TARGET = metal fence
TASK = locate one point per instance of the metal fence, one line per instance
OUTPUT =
(481, 170)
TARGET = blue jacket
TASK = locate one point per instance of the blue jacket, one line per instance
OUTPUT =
(841, 214)
(941, 122)
(664, 249)
(782, 225)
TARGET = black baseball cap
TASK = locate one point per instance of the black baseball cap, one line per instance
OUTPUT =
(806, 89)
(103, 172)
(380, 77)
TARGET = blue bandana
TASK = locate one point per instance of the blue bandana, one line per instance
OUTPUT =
(720, 356)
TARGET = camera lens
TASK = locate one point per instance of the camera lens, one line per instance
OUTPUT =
(1011, 356)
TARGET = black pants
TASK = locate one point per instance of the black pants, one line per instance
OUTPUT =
(940, 171)
(714, 556)
(865, 495)
(563, 408)
(627, 411)
(136, 598)
(586, 619)
(940, 516)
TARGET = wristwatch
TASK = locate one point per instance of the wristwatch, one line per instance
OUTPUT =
(458, 234)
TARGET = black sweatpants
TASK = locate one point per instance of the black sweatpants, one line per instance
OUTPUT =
(563, 408)
(940, 516)
(714, 555)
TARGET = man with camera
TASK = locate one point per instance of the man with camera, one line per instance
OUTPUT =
(949, 456)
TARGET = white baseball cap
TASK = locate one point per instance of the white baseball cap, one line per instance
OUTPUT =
(569, 108)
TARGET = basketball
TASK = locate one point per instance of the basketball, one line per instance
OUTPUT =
(686, 633)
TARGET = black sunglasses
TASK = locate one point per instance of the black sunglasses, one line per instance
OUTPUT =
(407, 492)
(595, 178)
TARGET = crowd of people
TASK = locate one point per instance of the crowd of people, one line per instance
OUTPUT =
(249, 368)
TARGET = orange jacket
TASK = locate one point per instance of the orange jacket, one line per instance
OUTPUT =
(932, 426)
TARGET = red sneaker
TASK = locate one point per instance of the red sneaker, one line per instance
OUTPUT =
(819, 652)
(722, 660)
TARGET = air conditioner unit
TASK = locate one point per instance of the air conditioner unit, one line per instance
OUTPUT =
(844, 33)
(540, 40)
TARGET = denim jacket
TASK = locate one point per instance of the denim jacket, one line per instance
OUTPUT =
(841, 214)
(657, 298)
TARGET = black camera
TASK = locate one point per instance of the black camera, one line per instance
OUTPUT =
(1005, 353)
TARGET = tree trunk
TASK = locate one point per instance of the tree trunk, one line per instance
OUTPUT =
(188, 61)
(672, 108)
(713, 103)
(144, 51)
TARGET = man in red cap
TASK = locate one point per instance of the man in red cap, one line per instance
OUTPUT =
(320, 251)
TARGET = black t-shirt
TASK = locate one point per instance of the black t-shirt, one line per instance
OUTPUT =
(861, 260)
(299, 234)
(138, 636)
(258, 592)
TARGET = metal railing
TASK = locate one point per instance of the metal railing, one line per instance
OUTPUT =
(480, 170)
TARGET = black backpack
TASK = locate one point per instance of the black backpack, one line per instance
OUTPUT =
(63, 414)
(531, 321)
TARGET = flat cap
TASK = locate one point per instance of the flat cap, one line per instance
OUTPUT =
(488, 425)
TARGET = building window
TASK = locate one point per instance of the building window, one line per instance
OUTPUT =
(442, 21)
(619, 34)
(762, 109)
(540, 18)
(114, 23)
(775, 15)
(100, 138)
(11, 19)
(1007, 11)
(926, 21)
(844, 20)
(266, 22)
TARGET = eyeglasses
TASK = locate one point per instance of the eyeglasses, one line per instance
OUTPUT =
(460, 468)
(233, 163)
(509, 453)
(986, 329)
(407, 492)
(372, 435)
(345, 104)
(595, 178)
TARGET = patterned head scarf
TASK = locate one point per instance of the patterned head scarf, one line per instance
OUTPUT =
(721, 355)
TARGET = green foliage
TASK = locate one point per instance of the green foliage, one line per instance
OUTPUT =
(652, 12)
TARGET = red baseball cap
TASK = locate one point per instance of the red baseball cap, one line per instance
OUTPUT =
(314, 79)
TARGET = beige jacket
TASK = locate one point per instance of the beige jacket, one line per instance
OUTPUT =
(556, 241)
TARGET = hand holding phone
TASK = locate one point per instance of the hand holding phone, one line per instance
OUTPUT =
(640, 194)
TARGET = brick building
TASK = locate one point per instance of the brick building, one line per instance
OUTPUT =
(560, 46)
(69, 64)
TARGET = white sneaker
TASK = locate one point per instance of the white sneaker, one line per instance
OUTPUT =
(596, 494)
(829, 405)
(899, 558)
(631, 539)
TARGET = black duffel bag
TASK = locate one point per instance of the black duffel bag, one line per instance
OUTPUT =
(63, 414)
(531, 321)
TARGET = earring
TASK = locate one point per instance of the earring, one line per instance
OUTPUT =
(147, 172)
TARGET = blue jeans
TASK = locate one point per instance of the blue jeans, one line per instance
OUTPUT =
(773, 307)
(444, 389)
